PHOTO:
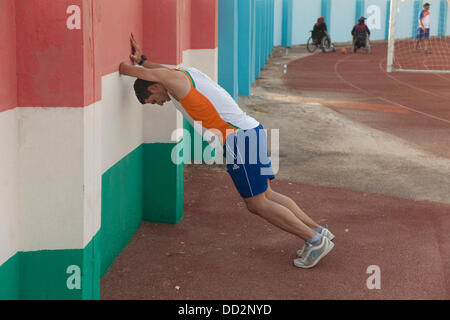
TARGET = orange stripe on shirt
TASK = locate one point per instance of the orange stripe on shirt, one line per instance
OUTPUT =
(201, 109)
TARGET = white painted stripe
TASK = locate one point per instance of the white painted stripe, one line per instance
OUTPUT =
(160, 122)
(92, 187)
(51, 178)
(9, 211)
(122, 117)
(205, 60)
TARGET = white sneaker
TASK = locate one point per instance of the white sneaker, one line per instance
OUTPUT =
(313, 254)
(325, 233)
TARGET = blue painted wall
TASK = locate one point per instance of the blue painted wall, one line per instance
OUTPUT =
(376, 12)
(341, 15)
(342, 20)
(228, 46)
(246, 40)
(305, 14)
(278, 21)
(249, 29)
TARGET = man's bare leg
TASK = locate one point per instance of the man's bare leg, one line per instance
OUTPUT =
(279, 216)
(291, 205)
(417, 44)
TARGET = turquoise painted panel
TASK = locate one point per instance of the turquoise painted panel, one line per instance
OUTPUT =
(228, 46)
(443, 18)
(447, 26)
(326, 12)
(388, 17)
(245, 47)
(253, 26)
(286, 39)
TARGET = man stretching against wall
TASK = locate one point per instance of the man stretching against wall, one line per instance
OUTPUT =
(202, 100)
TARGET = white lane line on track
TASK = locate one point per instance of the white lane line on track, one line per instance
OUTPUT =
(436, 74)
(383, 98)
(409, 85)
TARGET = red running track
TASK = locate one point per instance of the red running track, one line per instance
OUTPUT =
(421, 101)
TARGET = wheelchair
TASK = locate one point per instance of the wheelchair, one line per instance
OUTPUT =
(315, 42)
(361, 42)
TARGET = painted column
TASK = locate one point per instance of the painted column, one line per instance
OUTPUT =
(59, 154)
(245, 47)
(326, 12)
(9, 147)
(253, 40)
(200, 51)
(415, 24)
(228, 46)
(443, 12)
(388, 17)
(286, 39)
(170, 27)
(359, 12)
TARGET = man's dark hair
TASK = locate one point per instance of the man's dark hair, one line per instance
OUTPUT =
(426, 5)
(141, 89)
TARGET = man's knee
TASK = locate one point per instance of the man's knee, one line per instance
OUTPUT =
(257, 204)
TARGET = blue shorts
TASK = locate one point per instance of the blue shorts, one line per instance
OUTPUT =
(248, 162)
(423, 34)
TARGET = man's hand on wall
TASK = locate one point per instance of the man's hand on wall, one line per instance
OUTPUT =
(135, 50)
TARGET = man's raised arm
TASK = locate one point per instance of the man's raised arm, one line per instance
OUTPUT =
(155, 75)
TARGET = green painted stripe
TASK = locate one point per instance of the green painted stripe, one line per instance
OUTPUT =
(9, 278)
(163, 184)
(144, 184)
(197, 157)
(122, 187)
(237, 128)
(192, 79)
(42, 275)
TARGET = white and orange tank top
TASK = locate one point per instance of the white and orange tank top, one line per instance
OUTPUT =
(210, 104)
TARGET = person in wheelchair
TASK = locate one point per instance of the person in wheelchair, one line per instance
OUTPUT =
(320, 31)
(361, 34)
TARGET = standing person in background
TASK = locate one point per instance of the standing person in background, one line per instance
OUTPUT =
(423, 31)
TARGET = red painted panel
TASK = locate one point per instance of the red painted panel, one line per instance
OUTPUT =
(161, 31)
(49, 55)
(204, 28)
(62, 67)
(8, 79)
(115, 20)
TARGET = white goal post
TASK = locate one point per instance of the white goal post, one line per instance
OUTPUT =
(412, 48)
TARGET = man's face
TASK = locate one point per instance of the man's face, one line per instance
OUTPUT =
(426, 8)
(158, 95)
